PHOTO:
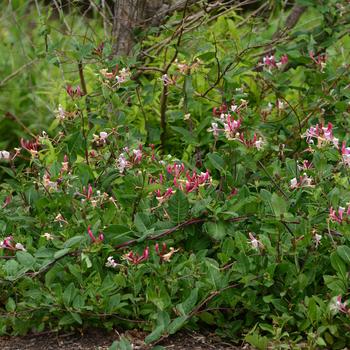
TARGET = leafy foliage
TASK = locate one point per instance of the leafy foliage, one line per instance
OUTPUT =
(207, 190)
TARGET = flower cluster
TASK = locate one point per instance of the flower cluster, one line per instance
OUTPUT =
(345, 152)
(185, 68)
(135, 258)
(191, 182)
(230, 125)
(99, 239)
(74, 92)
(164, 254)
(9, 244)
(101, 139)
(49, 185)
(167, 80)
(338, 216)
(304, 181)
(31, 146)
(270, 62)
(111, 262)
(320, 60)
(324, 135)
(134, 157)
(338, 306)
(162, 197)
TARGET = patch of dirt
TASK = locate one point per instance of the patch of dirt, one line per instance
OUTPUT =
(95, 339)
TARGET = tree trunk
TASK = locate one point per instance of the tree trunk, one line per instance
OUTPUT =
(128, 15)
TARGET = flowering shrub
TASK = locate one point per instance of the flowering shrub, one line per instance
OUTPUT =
(223, 209)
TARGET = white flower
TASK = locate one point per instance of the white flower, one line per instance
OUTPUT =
(259, 143)
(234, 108)
(166, 80)
(138, 155)
(19, 246)
(214, 129)
(122, 163)
(293, 183)
(111, 262)
(61, 114)
(4, 155)
(47, 236)
(280, 104)
(103, 135)
(317, 239)
(124, 74)
(255, 243)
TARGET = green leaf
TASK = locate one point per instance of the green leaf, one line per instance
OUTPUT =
(176, 324)
(77, 317)
(178, 207)
(187, 306)
(139, 222)
(122, 344)
(69, 294)
(216, 161)
(155, 335)
(216, 230)
(344, 252)
(279, 205)
(25, 259)
(257, 341)
(73, 241)
(10, 305)
(338, 264)
(60, 253)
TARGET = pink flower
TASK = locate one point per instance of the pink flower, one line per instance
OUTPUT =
(88, 193)
(122, 163)
(337, 218)
(137, 155)
(284, 59)
(9, 244)
(231, 127)
(345, 151)
(320, 60)
(74, 92)
(304, 181)
(338, 306)
(214, 129)
(93, 238)
(270, 61)
(176, 169)
(164, 254)
(166, 195)
(30, 145)
(136, 259)
(256, 244)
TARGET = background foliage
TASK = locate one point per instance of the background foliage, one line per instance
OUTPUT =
(186, 185)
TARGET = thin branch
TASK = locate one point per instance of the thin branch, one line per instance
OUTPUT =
(16, 72)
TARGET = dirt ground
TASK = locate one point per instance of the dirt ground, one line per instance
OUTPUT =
(100, 340)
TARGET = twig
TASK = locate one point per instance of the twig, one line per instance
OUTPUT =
(174, 229)
(273, 180)
(13, 117)
(164, 95)
(16, 72)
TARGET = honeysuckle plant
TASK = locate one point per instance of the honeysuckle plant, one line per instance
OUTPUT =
(208, 192)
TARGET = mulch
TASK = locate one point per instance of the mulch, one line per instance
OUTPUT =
(94, 339)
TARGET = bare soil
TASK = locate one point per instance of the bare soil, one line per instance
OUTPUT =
(95, 339)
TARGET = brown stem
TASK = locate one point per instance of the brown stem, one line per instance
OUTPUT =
(163, 105)
(174, 229)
